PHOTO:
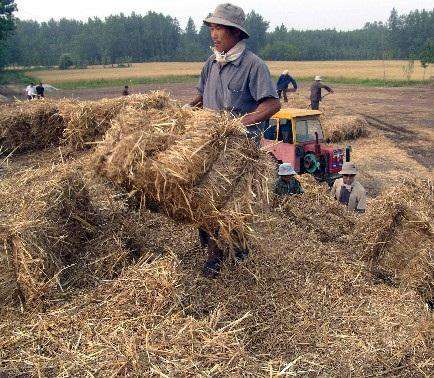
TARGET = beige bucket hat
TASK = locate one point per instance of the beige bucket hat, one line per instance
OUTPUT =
(318, 78)
(348, 168)
(228, 15)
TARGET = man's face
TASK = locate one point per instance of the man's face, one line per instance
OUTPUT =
(286, 178)
(223, 37)
(348, 179)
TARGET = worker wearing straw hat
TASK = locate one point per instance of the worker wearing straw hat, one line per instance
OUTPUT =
(234, 79)
(315, 92)
(348, 191)
(282, 85)
(287, 184)
(237, 81)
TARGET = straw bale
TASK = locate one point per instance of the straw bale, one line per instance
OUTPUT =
(174, 167)
(344, 127)
(87, 121)
(46, 217)
(396, 237)
(317, 211)
(30, 125)
(61, 229)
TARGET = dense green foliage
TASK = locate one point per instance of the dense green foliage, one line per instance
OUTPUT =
(156, 37)
(7, 7)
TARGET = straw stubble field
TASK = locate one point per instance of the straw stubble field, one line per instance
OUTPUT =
(373, 69)
(100, 263)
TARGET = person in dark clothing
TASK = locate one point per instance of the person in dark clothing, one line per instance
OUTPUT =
(283, 83)
(315, 92)
(126, 91)
(287, 184)
(40, 91)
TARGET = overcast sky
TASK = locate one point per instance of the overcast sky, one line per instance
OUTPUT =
(297, 14)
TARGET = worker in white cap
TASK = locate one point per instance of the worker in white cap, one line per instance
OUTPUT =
(287, 184)
(348, 191)
(282, 85)
(315, 92)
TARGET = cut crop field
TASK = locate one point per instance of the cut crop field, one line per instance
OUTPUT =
(100, 263)
(360, 70)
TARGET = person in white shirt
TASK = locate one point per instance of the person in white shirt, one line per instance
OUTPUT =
(31, 91)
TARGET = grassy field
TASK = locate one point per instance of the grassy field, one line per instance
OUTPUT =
(350, 72)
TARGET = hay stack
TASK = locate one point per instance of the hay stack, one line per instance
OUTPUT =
(173, 164)
(340, 128)
(138, 315)
(317, 211)
(396, 237)
(30, 125)
(61, 229)
(46, 217)
(87, 121)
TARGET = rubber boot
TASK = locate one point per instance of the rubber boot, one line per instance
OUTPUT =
(213, 265)
(203, 238)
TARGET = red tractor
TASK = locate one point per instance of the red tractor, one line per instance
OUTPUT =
(295, 136)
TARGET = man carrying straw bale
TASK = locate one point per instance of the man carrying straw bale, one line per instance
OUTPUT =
(236, 81)
(348, 191)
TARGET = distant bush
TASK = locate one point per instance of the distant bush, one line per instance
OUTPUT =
(65, 62)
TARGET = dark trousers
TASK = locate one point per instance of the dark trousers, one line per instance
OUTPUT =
(284, 92)
(314, 105)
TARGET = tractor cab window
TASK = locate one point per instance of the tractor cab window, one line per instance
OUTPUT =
(285, 130)
(306, 129)
(271, 131)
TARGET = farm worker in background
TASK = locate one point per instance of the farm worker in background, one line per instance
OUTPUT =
(348, 191)
(126, 91)
(287, 184)
(315, 92)
(282, 85)
(31, 91)
(235, 80)
(40, 91)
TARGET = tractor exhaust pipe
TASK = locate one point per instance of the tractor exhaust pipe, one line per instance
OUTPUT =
(348, 153)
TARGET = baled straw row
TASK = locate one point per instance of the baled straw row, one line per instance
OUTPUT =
(87, 121)
(173, 164)
(30, 125)
(340, 128)
(396, 237)
(36, 125)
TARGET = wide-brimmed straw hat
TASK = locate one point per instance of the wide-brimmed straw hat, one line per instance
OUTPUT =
(348, 168)
(228, 15)
(286, 169)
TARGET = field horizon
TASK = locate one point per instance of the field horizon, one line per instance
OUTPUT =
(347, 72)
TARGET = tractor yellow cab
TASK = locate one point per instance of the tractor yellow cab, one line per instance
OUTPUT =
(295, 136)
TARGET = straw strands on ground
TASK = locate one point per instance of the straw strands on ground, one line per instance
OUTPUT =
(339, 128)
(197, 166)
(109, 290)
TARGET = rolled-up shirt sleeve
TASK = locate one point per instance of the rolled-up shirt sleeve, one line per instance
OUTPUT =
(261, 85)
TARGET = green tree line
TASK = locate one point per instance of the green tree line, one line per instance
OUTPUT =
(157, 37)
